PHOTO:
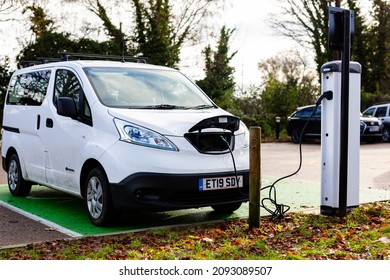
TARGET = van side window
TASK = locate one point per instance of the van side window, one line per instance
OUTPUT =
(28, 88)
(68, 85)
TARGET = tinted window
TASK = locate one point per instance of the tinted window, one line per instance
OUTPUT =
(369, 112)
(381, 111)
(317, 113)
(305, 113)
(28, 88)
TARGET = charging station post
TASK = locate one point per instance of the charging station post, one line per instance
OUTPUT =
(340, 137)
(254, 176)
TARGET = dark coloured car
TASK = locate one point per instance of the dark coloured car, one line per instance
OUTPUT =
(370, 127)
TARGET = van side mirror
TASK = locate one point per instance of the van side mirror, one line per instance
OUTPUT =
(66, 107)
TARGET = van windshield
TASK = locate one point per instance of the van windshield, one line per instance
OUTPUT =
(145, 88)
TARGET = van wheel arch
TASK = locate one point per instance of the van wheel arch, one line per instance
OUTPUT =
(87, 167)
(10, 152)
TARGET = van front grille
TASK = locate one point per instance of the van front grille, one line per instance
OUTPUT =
(211, 142)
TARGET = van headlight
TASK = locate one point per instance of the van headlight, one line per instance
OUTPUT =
(142, 136)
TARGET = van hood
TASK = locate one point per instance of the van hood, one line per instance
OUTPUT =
(169, 122)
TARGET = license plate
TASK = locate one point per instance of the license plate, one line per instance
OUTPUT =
(374, 129)
(220, 183)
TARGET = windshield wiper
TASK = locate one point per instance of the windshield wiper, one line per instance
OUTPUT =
(204, 106)
(164, 106)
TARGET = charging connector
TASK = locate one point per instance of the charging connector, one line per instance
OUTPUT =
(327, 95)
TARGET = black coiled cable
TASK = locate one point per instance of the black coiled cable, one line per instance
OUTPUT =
(281, 209)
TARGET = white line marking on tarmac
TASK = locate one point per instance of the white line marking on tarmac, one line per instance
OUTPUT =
(41, 220)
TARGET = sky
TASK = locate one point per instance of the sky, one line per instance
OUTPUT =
(254, 40)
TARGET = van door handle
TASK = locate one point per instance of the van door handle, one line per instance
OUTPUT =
(38, 122)
(49, 123)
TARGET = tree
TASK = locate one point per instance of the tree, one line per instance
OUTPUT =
(47, 42)
(116, 37)
(5, 75)
(219, 81)
(288, 84)
(306, 22)
(154, 33)
(379, 59)
(247, 107)
(361, 42)
(7, 7)
(160, 27)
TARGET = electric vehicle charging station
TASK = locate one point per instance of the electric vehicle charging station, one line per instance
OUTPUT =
(340, 119)
(330, 137)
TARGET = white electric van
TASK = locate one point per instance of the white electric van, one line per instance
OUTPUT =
(122, 135)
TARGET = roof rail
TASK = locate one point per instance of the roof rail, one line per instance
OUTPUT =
(65, 57)
(39, 60)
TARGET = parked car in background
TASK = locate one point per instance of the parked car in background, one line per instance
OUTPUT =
(382, 112)
(370, 127)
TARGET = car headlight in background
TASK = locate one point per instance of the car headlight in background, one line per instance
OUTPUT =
(142, 136)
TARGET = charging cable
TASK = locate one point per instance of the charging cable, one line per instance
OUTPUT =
(281, 209)
(234, 162)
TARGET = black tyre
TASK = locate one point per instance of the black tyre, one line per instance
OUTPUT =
(386, 134)
(98, 198)
(16, 184)
(226, 208)
(296, 135)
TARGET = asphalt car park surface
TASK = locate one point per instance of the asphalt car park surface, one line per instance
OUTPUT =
(301, 191)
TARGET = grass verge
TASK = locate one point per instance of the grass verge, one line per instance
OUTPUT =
(363, 234)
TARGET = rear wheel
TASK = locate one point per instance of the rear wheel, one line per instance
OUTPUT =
(16, 184)
(226, 208)
(98, 198)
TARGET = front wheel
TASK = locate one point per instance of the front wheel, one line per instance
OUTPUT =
(226, 208)
(386, 134)
(98, 198)
(16, 184)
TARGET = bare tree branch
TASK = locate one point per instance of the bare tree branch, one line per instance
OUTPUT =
(8, 7)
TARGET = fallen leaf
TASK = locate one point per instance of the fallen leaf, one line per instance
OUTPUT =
(206, 239)
(384, 240)
(193, 237)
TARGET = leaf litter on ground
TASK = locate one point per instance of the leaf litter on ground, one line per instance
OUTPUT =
(363, 234)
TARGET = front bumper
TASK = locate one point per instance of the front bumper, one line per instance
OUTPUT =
(159, 192)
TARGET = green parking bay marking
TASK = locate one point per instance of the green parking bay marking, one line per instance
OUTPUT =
(68, 212)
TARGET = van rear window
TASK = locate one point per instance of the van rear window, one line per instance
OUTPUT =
(28, 88)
